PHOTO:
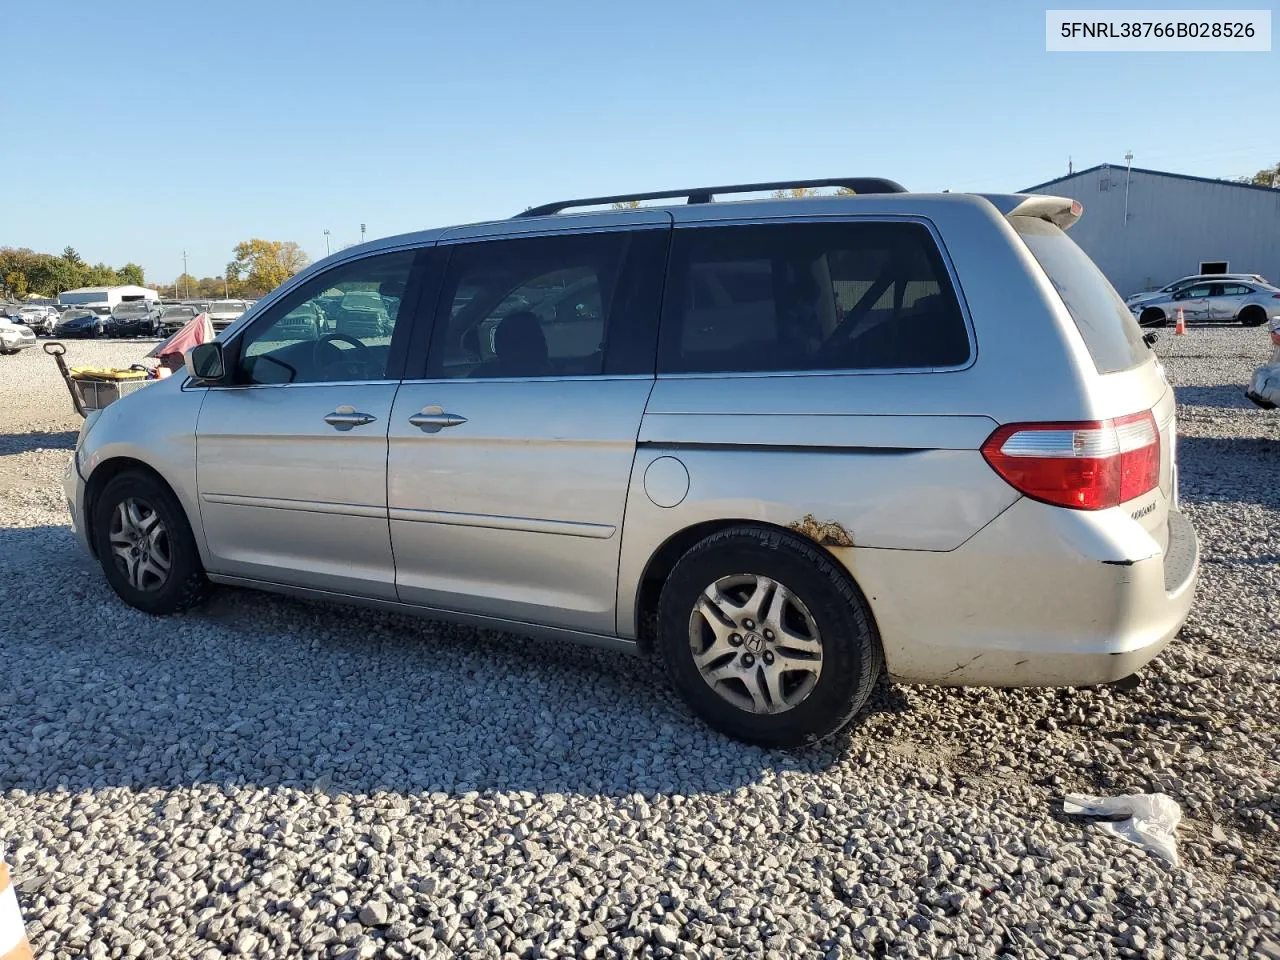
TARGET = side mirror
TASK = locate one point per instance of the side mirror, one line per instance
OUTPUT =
(205, 363)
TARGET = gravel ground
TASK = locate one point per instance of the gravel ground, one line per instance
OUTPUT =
(268, 777)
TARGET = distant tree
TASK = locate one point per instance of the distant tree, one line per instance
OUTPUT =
(70, 255)
(50, 275)
(1266, 177)
(132, 273)
(792, 193)
(265, 264)
(626, 205)
(15, 284)
(214, 287)
(846, 192)
(99, 275)
(187, 285)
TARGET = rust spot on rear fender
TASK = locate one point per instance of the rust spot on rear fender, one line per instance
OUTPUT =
(829, 533)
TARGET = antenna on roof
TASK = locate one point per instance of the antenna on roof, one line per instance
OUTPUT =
(1070, 167)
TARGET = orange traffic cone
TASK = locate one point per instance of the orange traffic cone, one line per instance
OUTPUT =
(1181, 326)
(13, 936)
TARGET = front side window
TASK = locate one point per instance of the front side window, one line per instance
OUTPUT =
(809, 296)
(529, 307)
(335, 327)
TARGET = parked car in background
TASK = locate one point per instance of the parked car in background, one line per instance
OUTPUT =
(223, 313)
(172, 319)
(1188, 281)
(202, 306)
(790, 445)
(1228, 301)
(80, 322)
(15, 336)
(134, 318)
(41, 319)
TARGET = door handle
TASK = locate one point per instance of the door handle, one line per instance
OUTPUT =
(346, 417)
(433, 418)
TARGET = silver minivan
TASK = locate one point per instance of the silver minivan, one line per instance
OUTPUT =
(789, 445)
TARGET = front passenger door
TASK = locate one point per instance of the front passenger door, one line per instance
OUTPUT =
(1194, 303)
(291, 458)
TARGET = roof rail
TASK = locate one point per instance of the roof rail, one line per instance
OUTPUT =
(707, 194)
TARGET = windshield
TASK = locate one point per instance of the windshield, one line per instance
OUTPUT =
(227, 306)
(1110, 332)
(172, 312)
(131, 310)
(77, 314)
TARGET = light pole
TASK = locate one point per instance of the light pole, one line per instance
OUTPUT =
(326, 241)
(362, 233)
(1128, 166)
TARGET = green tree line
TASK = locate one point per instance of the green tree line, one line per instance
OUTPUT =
(24, 272)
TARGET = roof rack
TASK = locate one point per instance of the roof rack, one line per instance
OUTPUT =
(707, 194)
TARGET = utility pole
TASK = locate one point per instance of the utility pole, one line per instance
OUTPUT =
(1070, 166)
(1128, 166)
(186, 284)
(326, 241)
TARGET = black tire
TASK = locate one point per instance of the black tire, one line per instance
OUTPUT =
(8, 353)
(1153, 318)
(1252, 316)
(186, 584)
(852, 658)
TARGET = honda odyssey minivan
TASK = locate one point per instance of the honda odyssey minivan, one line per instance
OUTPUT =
(787, 445)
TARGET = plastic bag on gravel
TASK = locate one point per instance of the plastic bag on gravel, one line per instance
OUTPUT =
(1151, 819)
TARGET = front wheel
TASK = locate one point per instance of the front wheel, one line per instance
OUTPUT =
(1153, 318)
(146, 547)
(767, 638)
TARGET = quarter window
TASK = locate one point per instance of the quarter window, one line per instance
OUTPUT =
(797, 297)
(337, 326)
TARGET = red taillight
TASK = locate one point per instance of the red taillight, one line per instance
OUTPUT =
(1085, 466)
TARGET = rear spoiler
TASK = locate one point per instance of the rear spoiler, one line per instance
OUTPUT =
(1060, 211)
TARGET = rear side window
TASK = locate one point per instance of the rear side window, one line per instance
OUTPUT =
(1110, 332)
(809, 296)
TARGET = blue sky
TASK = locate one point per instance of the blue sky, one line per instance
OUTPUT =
(148, 128)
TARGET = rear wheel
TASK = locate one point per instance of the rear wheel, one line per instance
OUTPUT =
(145, 545)
(1252, 316)
(767, 638)
(1153, 318)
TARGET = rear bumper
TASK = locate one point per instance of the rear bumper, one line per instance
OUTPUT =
(1041, 597)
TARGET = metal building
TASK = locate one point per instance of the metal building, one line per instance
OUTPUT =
(1145, 228)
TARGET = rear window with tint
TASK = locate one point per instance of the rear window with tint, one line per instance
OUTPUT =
(1110, 332)
(809, 296)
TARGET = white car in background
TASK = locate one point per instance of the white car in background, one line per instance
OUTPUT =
(39, 318)
(1177, 285)
(15, 336)
(223, 313)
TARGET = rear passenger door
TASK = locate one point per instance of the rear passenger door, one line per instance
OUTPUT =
(1227, 302)
(510, 452)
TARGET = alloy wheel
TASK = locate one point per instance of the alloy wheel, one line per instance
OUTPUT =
(755, 643)
(140, 544)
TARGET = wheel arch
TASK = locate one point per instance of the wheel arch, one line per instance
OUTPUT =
(108, 470)
(1252, 315)
(663, 560)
